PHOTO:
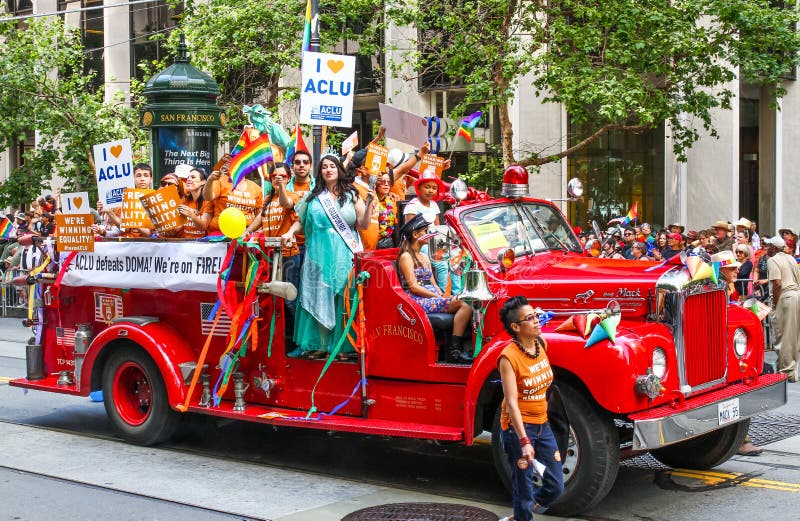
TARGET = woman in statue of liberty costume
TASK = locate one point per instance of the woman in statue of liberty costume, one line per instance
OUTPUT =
(328, 215)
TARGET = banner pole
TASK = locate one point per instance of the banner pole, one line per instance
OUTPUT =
(316, 130)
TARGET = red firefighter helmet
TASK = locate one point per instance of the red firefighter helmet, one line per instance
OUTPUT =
(515, 182)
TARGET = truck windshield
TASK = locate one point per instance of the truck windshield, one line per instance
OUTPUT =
(524, 227)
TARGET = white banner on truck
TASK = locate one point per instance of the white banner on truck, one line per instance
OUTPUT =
(175, 266)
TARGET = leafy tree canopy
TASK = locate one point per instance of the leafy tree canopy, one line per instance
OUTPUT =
(43, 87)
(614, 64)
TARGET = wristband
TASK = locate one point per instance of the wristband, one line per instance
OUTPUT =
(524, 441)
(417, 157)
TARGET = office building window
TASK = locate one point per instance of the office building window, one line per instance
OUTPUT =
(148, 20)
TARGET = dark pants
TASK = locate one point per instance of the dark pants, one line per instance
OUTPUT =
(291, 273)
(544, 448)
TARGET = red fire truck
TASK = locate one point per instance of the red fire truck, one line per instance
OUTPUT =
(137, 320)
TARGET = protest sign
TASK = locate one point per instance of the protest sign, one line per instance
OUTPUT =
(377, 156)
(74, 232)
(133, 213)
(174, 266)
(350, 143)
(113, 163)
(327, 89)
(75, 202)
(162, 208)
(403, 126)
(431, 164)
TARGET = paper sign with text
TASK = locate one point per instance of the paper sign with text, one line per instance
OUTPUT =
(431, 164)
(133, 213)
(162, 208)
(74, 232)
(377, 156)
(350, 143)
(113, 163)
(327, 89)
(174, 266)
(75, 202)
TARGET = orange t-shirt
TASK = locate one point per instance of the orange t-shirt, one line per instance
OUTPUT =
(247, 197)
(276, 220)
(190, 230)
(301, 189)
(534, 376)
(369, 237)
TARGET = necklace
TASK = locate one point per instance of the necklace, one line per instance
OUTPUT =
(525, 351)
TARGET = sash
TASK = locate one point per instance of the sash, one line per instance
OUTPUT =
(347, 234)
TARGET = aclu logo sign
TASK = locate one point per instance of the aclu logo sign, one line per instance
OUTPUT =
(327, 89)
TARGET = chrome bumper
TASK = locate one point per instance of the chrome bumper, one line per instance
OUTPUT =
(690, 422)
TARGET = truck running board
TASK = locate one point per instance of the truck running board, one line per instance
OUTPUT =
(290, 418)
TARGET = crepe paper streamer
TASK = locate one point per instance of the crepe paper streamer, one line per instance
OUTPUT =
(704, 271)
(693, 263)
(567, 325)
(599, 334)
(715, 272)
(610, 326)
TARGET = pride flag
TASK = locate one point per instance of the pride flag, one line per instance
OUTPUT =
(244, 140)
(468, 124)
(296, 143)
(633, 214)
(306, 31)
(250, 158)
(5, 228)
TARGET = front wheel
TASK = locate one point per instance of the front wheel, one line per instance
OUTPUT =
(706, 451)
(592, 460)
(135, 398)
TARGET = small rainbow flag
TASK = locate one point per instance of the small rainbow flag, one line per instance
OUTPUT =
(468, 124)
(5, 228)
(633, 214)
(306, 32)
(244, 140)
(296, 143)
(250, 158)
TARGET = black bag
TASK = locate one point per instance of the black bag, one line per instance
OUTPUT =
(386, 242)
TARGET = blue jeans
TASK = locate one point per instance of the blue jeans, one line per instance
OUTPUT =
(544, 448)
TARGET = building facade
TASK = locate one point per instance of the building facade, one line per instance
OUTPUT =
(748, 171)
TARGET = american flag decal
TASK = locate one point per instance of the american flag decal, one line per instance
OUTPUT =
(223, 324)
(65, 336)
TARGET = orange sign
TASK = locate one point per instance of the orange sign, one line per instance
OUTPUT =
(376, 158)
(162, 207)
(74, 232)
(431, 163)
(133, 214)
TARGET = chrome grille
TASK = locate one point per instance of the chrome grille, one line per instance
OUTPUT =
(704, 337)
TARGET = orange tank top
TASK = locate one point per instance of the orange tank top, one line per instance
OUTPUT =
(534, 376)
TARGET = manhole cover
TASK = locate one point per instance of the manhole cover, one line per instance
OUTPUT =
(421, 512)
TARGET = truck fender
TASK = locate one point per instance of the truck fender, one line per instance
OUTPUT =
(485, 364)
(162, 343)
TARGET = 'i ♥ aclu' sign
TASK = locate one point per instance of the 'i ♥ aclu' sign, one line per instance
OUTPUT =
(113, 162)
(327, 89)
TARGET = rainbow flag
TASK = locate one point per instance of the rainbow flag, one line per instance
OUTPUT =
(306, 32)
(633, 214)
(5, 228)
(296, 143)
(244, 140)
(250, 158)
(468, 124)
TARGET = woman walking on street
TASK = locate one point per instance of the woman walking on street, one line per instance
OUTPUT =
(526, 375)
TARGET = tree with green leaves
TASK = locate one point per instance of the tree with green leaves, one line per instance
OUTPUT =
(615, 65)
(252, 48)
(43, 88)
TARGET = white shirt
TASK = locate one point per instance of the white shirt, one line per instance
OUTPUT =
(415, 207)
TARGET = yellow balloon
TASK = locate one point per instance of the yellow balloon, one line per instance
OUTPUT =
(232, 222)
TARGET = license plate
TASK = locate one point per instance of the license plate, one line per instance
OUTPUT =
(728, 411)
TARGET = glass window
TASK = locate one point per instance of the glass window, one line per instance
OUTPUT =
(147, 20)
(525, 228)
(618, 170)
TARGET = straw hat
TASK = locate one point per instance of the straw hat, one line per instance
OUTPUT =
(725, 225)
(743, 222)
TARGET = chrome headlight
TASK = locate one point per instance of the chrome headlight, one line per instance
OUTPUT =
(739, 342)
(658, 363)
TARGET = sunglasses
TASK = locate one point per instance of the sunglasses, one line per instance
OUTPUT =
(382, 181)
(302, 162)
(629, 235)
(532, 317)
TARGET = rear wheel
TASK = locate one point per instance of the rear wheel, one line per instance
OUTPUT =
(706, 451)
(135, 398)
(592, 460)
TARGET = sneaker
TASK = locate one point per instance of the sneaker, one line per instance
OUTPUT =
(507, 518)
